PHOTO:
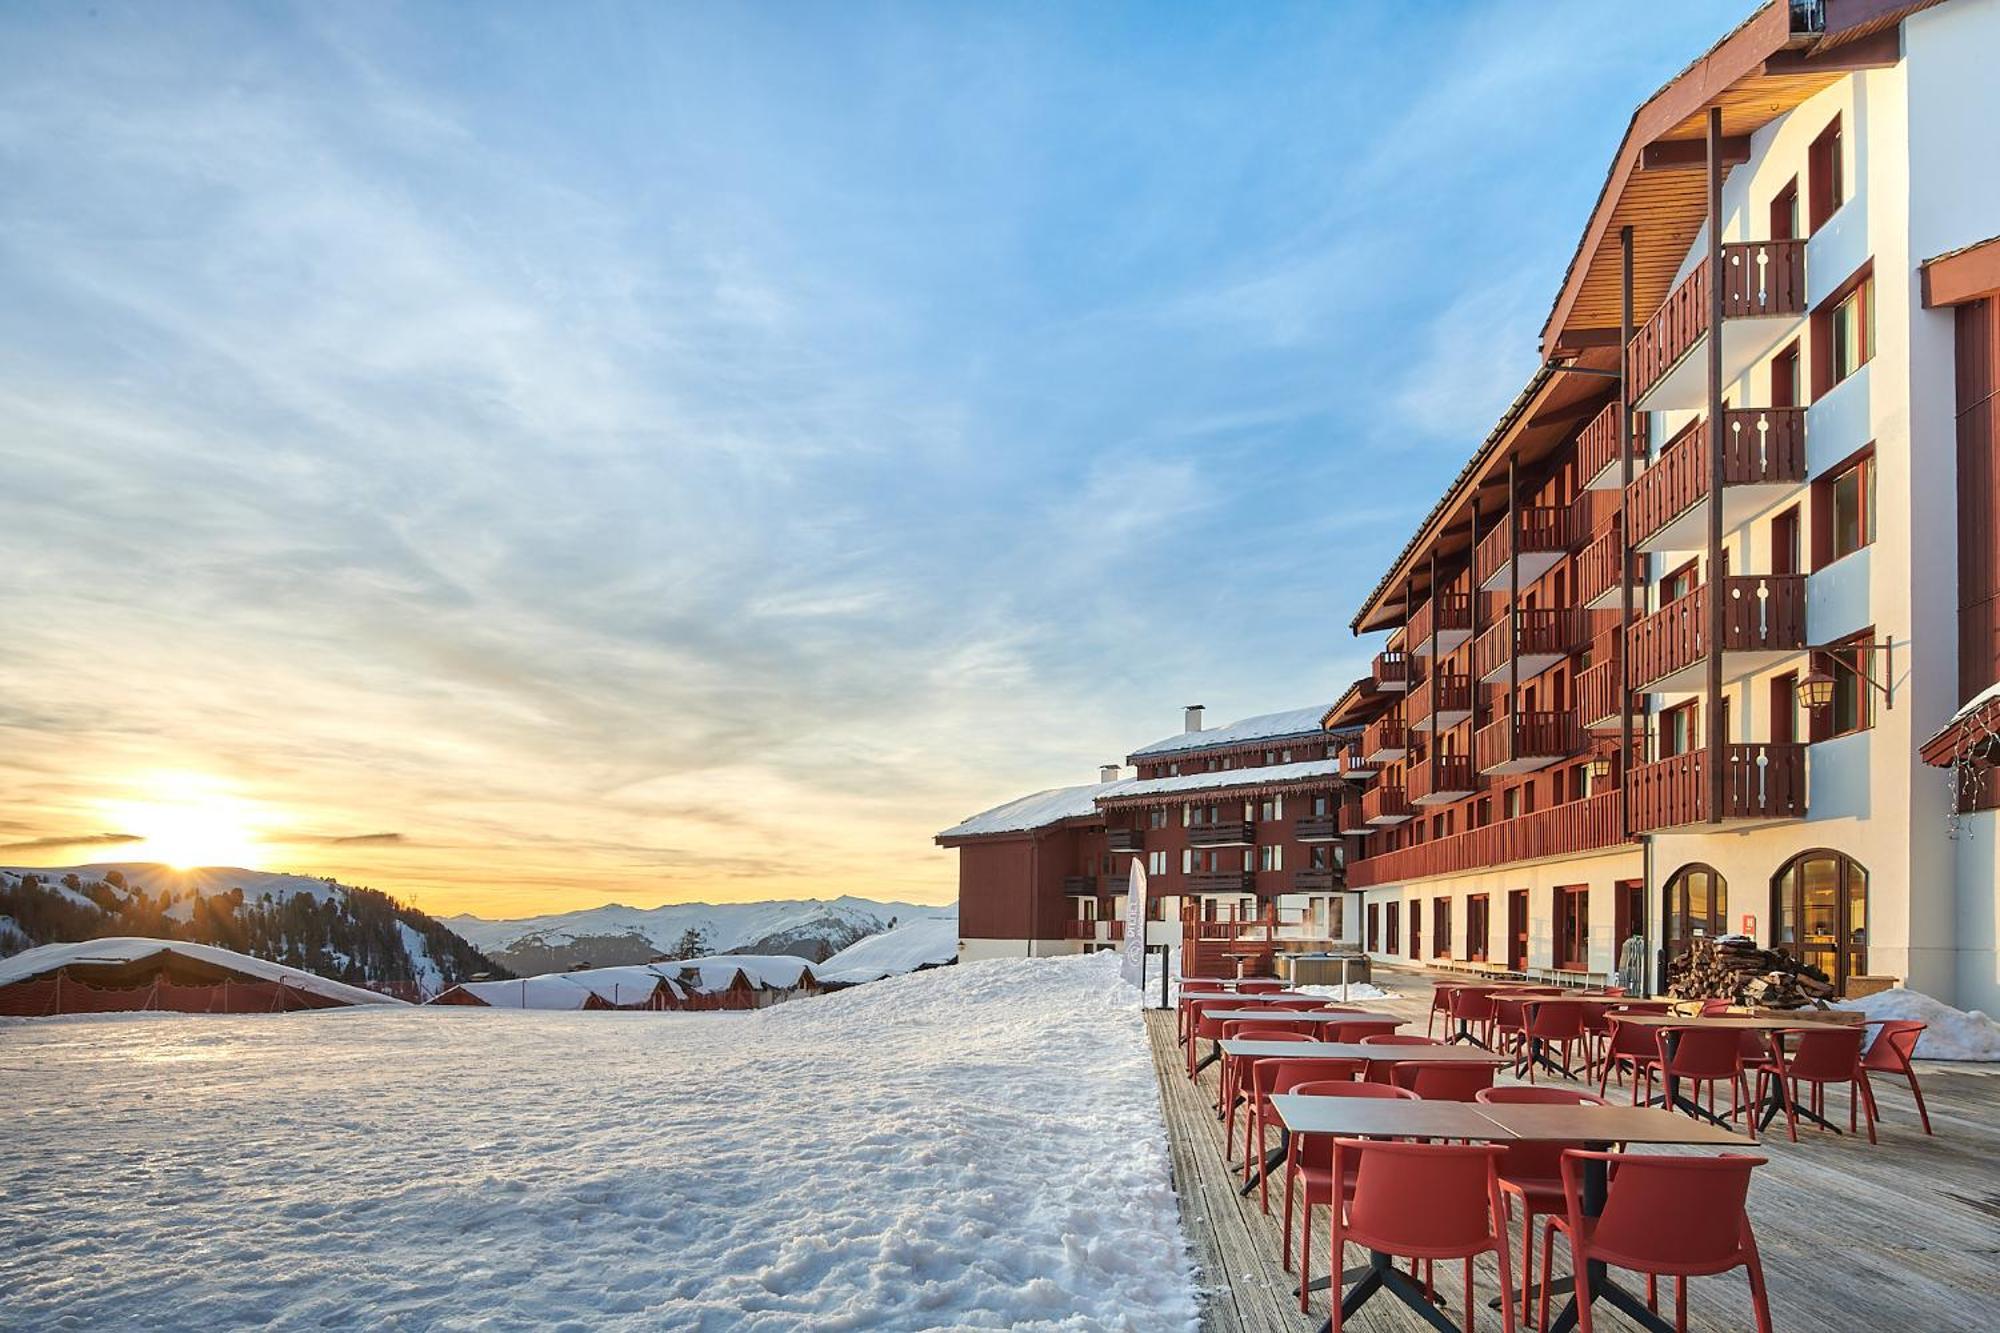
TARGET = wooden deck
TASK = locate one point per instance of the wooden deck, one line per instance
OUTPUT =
(1904, 1235)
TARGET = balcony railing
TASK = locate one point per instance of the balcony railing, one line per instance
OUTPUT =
(1440, 624)
(1597, 584)
(1598, 686)
(1317, 828)
(1353, 819)
(1125, 839)
(1761, 446)
(1386, 739)
(1760, 278)
(1085, 885)
(1763, 614)
(1441, 779)
(1526, 741)
(1451, 691)
(1760, 782)
(1316, 880)
(1546, 534)
(1385, 804)
(1355, 764)
(1597, 457)
(1562, 830)
(1540, 637)
(1392, 670)
(1222, 881)
(1233, 833)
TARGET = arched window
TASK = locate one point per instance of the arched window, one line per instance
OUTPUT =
(1696, 906)
(1819, 913)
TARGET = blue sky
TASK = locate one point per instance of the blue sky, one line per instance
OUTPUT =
(656, 452)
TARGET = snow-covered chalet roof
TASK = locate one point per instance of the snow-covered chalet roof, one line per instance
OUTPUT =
(1263, 775)
(1263, 727)
(1970, 724)
(131, 948)
(778, 971)
(926, 942)
(1037, 811)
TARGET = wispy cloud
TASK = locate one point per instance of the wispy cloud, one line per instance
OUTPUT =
(67, 842)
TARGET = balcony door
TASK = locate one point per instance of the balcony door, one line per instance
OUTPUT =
(1517, 930)
(1374, 927)
(1819, 914)
(1573, 927)
(1696, 907)
(1416, 930)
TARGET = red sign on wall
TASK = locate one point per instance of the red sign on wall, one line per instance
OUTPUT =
(1749, 924)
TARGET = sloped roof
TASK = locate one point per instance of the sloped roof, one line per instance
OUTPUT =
(1255, 775)
(1032, 812)
(133, 948)
(1264, 726)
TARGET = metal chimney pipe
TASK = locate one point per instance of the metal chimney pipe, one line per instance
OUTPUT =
(1194, 712)
(1110, 772)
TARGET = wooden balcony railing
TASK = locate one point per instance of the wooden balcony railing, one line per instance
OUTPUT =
(1542, 529)
(1392, 670)
(1316, 828)
(1355, 763)
(1452, 691)
(1597, 448)
(1085, 885)
(1761, 612)
(1386, 735)
(1598, 703)
(1385, 804)
(1316, 880)
(1353, 818)
(1536, 632)
(1759, 278)
(1233, 833)
(1597, 568)
(1446, 611)
(1440, 776)
(1125, 839)
(1538, 735)
(1562, 830)
(1761, 446)
(1222, 881)
(1760, 781)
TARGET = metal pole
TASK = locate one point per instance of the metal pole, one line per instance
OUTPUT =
(1625, 435)
(1513, 643)
(1716, 740)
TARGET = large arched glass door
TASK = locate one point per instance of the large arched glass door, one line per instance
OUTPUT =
(1819, 914)
(1696, 908)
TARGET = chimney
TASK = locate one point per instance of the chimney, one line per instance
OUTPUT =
(1194, 717)
(1110, 772)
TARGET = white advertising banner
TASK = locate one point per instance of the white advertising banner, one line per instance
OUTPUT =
(1134, 967)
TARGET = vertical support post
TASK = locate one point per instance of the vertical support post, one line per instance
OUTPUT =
(1513, 642)
(1713, 427)
(1625, 545)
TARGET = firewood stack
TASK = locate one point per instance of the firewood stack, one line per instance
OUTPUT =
(1733, 968)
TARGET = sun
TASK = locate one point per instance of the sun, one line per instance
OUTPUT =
(189, 821)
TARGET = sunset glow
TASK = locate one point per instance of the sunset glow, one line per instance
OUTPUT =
(192, 821)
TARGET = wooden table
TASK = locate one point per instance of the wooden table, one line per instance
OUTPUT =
(1596, 1127)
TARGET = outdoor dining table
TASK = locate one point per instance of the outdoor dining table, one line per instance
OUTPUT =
(1286, 1018)
(1774, 1101)
(1597, 1128)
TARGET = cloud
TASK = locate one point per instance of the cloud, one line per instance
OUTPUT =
(363, 840)
(55, 842)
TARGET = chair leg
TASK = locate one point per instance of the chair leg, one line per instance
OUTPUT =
(1760, 1302)
(1305, 1254)
(1527, 1257)
(1548, 1269)
(1918, 1093)
(1680, 1305)
(1861, 1092)
(1291, 1182)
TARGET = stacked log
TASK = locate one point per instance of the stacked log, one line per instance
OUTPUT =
(1732, 967)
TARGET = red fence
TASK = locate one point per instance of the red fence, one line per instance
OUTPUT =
(1578, 826)
(60, 995)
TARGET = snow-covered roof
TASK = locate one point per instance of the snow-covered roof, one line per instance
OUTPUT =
(1256, 775)
(131, 948)
(1037, 811)
(926, 942)
(779, 971)
(1945, 746)
(1265, 726)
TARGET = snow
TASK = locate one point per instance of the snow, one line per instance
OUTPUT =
(976, 1146)
(1265, 726)
(763, 971)
(1953, 1034)
(927, 942)
(423, 968)
(1268, 774)
(725, 926)
(1360, 990)
(1037, 811)
(127, 948)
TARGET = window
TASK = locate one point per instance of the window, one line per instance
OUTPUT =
(1844, 510)
(1271, 857)
(1336, 917)
(1374, 922)
(1476, 927)
(1284, 756)
(1787, 388)
(1273, 807)
(1819, 914)
(1156, 817)
(1695, 906)
(1826, 180)
(1853, 697)
(1392, 937)
(1187, 860)
(1156, 863)
(1510, 803)
(1677, 727)
(1785, 708)
(1322, 805)
(1573, 927)
(1320, 856)
(1678, 584)
(1850, 333)
(1785, 552)
(1270, 757)
(1441, 927)
(1785, 212)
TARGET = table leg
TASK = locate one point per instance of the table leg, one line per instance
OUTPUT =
(1214, 1054)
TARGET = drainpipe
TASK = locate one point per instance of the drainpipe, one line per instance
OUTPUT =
(1716, 740)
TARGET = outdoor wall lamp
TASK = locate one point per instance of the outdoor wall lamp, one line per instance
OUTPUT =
(1815, 691)
(1600, 768)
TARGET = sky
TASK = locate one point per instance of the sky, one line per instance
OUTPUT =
(522, 457)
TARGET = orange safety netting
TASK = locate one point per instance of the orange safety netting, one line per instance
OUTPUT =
(42, 998)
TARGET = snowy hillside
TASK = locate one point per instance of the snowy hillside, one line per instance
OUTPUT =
(335, 930)
(930, 941)
(613, 935)
(976, 1146)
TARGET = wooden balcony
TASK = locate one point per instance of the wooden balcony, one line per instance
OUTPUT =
(1441, 624)
(1442, 779)
(1763, 459)
(1763, 295)
(1597, 457)
(1763, 623)
(1355, 765)
(1598, 703)
(1539, 638)
(1080, 885)
(1316, 880)
(1386, 740)
(1222, 881)
(1762, 783)
(1597, 573)
(1353, 820)
(1316, 828)
(1546, 534)
(1564, 830)
(1099, 930)
(1450, 691)
(1392, 670)
(1526, 741)
(1235, 833)
(1385, 804)
(1125, 839)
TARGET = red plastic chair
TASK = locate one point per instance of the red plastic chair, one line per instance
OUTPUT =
(1554, 1025)
(1443, 1083)
(1308, 1004)
(1362, 1030)
(1472, 1009)
(1235, 1070)
(1716, 1008)
(1203, 1028)
(1269, 1077)
(1309, 1163)
(1633, 1046)
(1678, 1217)
(1532, 1172)
(1892, 1050)
(1259, 987)
(1821, 1055)
(1380, 1071)
(1509, 1023)
(1440, 1008)
(1425, 1201)
(1702, 1058)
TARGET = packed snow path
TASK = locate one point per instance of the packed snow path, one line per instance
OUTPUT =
(975, 1146)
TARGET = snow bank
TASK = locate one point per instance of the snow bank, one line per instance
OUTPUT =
(1360, 990)
(930, 942)
(128, 948)
(1953, 1034)
(970, 1147)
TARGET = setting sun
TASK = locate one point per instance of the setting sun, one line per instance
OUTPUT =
(190, 821)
